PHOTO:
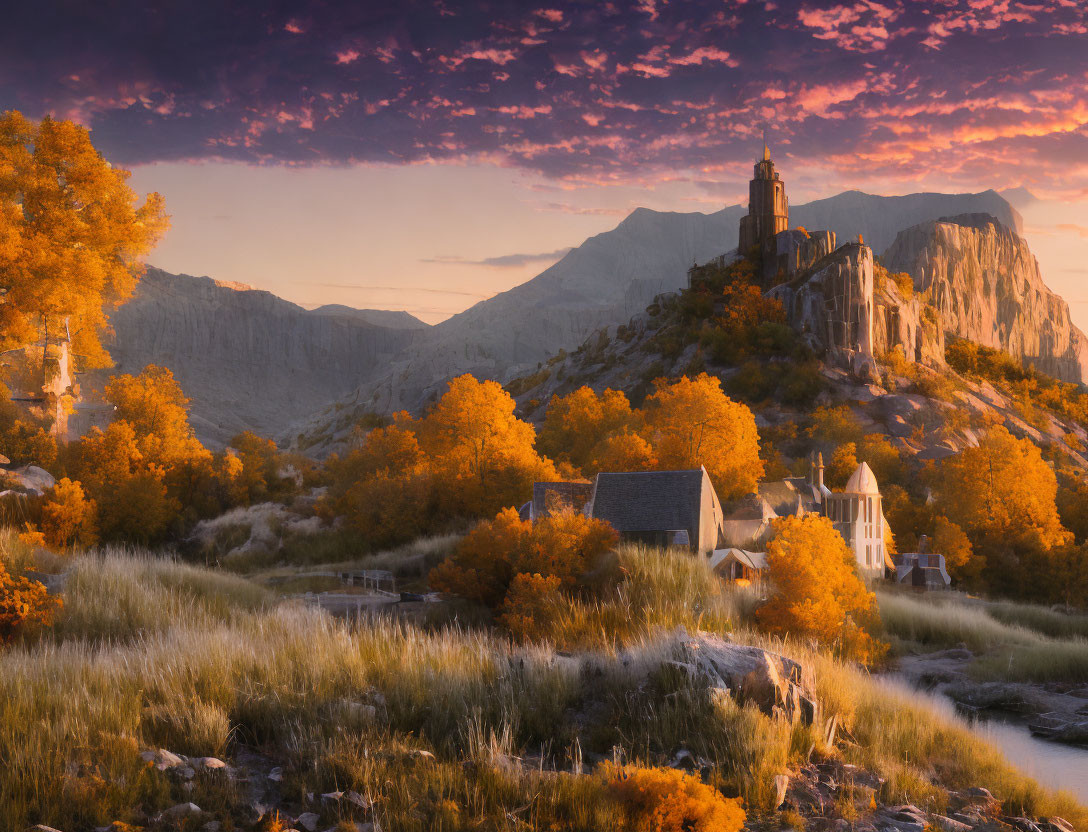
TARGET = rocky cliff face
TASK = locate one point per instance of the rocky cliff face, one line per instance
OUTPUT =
(985, 283)
(248, 359)
(831, 305)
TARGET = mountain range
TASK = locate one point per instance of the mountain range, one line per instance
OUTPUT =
(248, 359)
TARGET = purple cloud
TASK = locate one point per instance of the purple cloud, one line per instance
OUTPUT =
(590, 92)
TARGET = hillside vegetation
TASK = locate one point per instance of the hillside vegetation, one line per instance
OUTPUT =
(205, 664)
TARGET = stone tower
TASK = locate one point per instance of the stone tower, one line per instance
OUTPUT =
(768, 208)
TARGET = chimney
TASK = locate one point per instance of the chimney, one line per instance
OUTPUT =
(820, 470)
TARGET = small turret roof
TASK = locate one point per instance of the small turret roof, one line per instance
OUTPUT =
(862, 481)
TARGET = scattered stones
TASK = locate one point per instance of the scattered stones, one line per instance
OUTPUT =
(308, 821)
(951, 825)
(163, 759)
(182, 810)
(210, 763)
(276, 774)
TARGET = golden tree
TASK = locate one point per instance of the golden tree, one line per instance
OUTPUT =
(131, 494)
(71, 235)
(68, 515)
(481, 454)
(577, 423)
(691, 422)
(959, 557)
(623, 451)
(153, 404)
(816, 590)
(1002, 490)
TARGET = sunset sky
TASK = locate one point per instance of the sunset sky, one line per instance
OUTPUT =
(425, 155)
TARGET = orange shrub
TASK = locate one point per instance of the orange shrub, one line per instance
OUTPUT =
(529, 605)
(667, 800)
(68, 516)
(547, 555)
(23, 604)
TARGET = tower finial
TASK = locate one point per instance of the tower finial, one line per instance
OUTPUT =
(766, 150)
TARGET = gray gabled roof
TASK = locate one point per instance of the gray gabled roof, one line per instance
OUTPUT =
(649, 500)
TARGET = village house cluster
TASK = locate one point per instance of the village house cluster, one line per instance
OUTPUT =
(681, 508)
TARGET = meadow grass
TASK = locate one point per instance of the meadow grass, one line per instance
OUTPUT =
(1048, 622)
(656, 591)
(1013, 651)
(151, 653)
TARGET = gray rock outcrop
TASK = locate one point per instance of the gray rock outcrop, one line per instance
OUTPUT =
(832, 306)
(775, 684)
(986, 285)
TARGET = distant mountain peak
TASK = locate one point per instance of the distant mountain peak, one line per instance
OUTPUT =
(234, 285)
(1019, 197)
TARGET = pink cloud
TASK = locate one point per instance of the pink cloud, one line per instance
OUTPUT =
(705, 54)
(347, 56)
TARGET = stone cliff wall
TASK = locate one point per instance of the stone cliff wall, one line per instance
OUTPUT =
(908, 323)
(832, 306)
(985, 283)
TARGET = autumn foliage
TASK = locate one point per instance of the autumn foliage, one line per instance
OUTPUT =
(1002, 489)
(685, 423)
(68, 516)
(668, 800)
(466, 458)
(71, 235)
(817, 592)
(517, 567)
(24, 604)
(691, 422)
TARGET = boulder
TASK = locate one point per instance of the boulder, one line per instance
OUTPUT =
(182, 810)
(773, 683)
(308, 821)
(163, 759)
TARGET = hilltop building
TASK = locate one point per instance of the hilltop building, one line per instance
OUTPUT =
(768, 208)
(830, 293)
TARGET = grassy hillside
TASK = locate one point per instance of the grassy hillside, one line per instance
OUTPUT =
(149, 654)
